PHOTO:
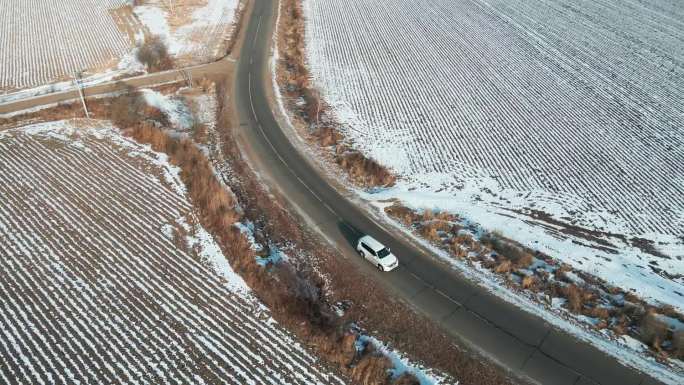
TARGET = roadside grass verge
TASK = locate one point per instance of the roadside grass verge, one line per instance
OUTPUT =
(545, 280)
(310, 114)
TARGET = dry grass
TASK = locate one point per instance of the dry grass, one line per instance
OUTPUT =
(239, 18)
(507, 258)
(517, 255)
(529, 282)
(653, 331)
(678, 343)
(364, 171)
(154, 54)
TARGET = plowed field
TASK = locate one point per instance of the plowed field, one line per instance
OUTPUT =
(96, 289)
(45, 41)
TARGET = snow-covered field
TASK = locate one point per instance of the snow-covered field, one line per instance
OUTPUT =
(559, 125)
(96, 285)
(45, 41)
(194, 31)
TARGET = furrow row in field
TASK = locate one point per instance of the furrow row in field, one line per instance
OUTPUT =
(69, 244)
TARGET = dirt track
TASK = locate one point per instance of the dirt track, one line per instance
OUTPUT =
(215, 70)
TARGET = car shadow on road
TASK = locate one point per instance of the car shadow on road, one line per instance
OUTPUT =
(350, 233)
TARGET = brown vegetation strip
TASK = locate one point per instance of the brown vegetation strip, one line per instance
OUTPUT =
(615, 309)
(309, 113)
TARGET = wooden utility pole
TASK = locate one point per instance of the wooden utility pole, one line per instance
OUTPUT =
(80, 93)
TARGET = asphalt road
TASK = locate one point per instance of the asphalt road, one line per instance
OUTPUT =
(523, 343)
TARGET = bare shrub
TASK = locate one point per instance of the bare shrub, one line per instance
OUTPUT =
(365, 171)
(204, 83)
(573, 294)
(404, 214)
(599, 312)
(154, 54)
(504, 267)
(328, 136)
(466, 240)
(308, 297)
(406, 379)
(678, 343)
(519, 257)
(528, 282)
(621, 325)
(372, 367)
(127, 110)
(653, 331)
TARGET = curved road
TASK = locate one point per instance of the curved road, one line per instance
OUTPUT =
(519, 341)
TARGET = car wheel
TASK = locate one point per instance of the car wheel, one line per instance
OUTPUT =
(380, 267)
(360, 253)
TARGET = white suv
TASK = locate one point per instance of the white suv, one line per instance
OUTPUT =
(376, 253)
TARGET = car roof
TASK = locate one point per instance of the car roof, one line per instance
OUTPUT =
(372, 243)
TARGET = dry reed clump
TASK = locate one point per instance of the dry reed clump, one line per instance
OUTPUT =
(653, 331)
(328, 136)
(402, 213)
(517, 255)
(154, 54)
(504, 267)
(308, 108)
(406, 379)
(529, 282)
(678, 343)
(363, 170)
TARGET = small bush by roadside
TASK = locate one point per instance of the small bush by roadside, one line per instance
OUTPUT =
(154, 54)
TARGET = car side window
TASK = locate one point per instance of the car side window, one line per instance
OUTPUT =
(367, 248)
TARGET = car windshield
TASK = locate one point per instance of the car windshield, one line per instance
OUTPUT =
(383, 253)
